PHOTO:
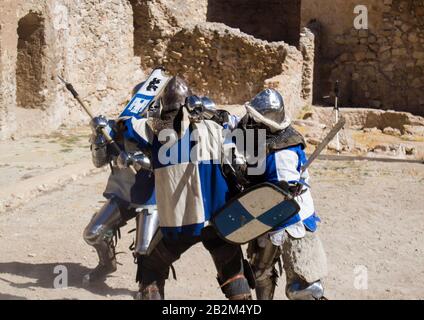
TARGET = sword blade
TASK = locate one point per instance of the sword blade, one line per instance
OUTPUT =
(339, 126)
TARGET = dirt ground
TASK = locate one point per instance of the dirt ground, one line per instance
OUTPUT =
(372, 228)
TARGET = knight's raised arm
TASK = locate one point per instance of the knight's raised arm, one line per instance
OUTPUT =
(101, 155)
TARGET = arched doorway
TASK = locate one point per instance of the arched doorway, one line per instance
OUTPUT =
(30, 77)
(141, 23)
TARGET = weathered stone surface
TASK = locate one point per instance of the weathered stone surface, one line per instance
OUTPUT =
(391, 131)
(88, 42)
(106, 47)
(371, 119)
(392, 46)
(217, 60)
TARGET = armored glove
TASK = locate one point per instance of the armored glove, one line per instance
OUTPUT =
(98, 142)
(97, 125)
(294, 189)
(201, 108)
(139, 160)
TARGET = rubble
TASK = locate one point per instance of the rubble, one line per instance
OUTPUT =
(371, 120)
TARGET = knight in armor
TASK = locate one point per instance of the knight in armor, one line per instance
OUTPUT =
(128, 196)
(190, 189)
(296, 242)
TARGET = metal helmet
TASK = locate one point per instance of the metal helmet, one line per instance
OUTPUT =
(208, 103)
(174, 96)
(270, 104)
(173, 99)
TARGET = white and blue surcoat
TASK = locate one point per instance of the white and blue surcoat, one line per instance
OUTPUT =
(133, 191)
(285, 165)
(190, 186)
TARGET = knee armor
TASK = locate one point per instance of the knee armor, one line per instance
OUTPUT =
(103, 224)
(297, 291)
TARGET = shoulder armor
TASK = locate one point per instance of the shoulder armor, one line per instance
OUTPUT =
(287, 138)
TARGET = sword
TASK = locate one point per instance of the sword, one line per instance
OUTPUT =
(105, 133)
(336, 129)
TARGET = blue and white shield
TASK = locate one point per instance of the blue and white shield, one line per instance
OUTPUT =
(254, 213)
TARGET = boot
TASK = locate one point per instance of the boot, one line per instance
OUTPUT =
(107, 263)
(265, 285)
(151, 292)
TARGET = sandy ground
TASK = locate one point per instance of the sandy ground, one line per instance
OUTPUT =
(372, 221)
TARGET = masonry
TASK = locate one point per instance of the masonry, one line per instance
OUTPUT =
(382, 67)
(106, 47)
(89, 42)
(221, 54)
(229, 50)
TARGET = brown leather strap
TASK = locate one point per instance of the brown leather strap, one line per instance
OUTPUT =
(242, 297)
(237, 277)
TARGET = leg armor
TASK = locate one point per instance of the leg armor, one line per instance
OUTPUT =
(100, 233)
(153, 269)
(299, 291)
(234, 275)
(263, 256)
(305, 264)
(147, 227)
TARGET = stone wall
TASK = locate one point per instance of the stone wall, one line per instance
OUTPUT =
(309, 41)
(230, 66)
(382, 67)
(30, 76)
(90, 42)
(223, 62)
(157, 21)
(105, 47)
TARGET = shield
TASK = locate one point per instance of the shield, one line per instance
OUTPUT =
(253, 213)
(147, 94)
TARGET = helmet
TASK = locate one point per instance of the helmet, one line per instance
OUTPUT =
(267, 109)
(208, 103)
(270, 104)
(174, 96)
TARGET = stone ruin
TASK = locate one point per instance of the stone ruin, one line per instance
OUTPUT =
(227, 49)
(382, 67)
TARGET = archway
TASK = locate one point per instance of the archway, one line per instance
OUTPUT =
(30, 78)
(141, 23)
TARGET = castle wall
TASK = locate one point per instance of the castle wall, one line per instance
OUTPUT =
(382, 67)
(223, 62)
(89, 42)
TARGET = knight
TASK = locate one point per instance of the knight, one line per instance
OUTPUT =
(128, 196)
(190, 189)
(295, 242)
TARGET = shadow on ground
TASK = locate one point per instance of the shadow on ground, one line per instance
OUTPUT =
(44, 277)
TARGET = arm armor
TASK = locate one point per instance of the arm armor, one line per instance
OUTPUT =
(100, 152)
